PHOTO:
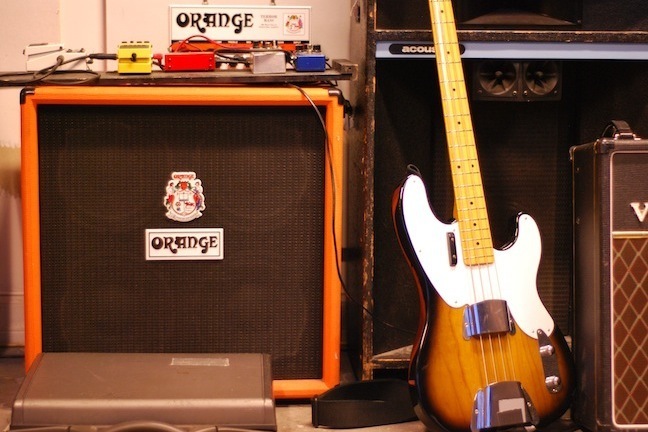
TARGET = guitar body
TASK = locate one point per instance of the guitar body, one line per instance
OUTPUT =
(449, 368)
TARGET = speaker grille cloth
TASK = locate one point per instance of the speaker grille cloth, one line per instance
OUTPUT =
(630, 330)
(103, 172)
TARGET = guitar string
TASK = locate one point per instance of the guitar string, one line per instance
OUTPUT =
(488, 276)
(464, 132)
(454, 148)
(457, 144)
(484, 264)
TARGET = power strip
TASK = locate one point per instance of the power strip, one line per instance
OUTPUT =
(45, 55)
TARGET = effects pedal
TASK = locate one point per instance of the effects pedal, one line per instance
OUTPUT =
(309, 58)
(135, 58)
(189, 61)
(268, 61)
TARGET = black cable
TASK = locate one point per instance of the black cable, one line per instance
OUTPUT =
(46, 75)
(103, 56)
(145, 426)
(34, 77)
(334, 199)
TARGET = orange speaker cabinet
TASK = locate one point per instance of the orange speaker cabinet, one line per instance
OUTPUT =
(186, 219)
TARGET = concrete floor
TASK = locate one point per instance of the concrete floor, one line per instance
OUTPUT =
(295, 416)
(291, 417)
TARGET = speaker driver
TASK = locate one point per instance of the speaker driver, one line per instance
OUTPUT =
(496, 79)
(541, 78)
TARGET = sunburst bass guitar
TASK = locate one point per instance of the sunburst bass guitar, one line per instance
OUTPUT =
(488, 355)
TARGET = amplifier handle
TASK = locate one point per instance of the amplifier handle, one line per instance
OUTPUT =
(619, 130)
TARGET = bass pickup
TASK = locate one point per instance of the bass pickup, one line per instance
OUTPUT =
(487, 317)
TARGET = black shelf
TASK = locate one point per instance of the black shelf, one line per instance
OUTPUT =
(341, 70)
(482, 35)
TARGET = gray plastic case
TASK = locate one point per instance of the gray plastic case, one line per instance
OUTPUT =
(190, 391)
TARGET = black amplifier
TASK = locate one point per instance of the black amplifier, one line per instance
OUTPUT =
(610, 190)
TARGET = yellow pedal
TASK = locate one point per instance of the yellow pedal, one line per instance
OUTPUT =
(135, 58)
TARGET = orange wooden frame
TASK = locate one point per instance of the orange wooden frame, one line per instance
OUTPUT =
(236, 96)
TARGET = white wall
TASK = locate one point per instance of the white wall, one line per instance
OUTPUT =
(11, 281)
(330, 22)
(99, 25)
(96, 26)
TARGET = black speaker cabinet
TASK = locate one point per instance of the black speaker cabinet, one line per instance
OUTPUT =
(523, 148)
(560, 15)
(611, 282)
(186, 219)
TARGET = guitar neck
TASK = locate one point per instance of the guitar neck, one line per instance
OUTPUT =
(470, 203)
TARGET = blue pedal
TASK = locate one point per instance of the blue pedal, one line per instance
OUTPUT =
(310, 62)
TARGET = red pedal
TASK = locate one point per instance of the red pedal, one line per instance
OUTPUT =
(189, 61)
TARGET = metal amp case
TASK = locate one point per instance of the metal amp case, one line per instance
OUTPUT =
(610, 189)
(135, 391)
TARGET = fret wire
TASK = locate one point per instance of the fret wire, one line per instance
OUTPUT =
(466, 192)
(458, 134)
(461, 125)
(482, 242)
(473, 200)
(462, 116)
(480, 237)
(479, 209)
(473, 176)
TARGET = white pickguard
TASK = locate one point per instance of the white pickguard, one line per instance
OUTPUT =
(511, 277)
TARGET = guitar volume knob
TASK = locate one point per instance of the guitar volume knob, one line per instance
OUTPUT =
(547, 350)
(553, 383)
